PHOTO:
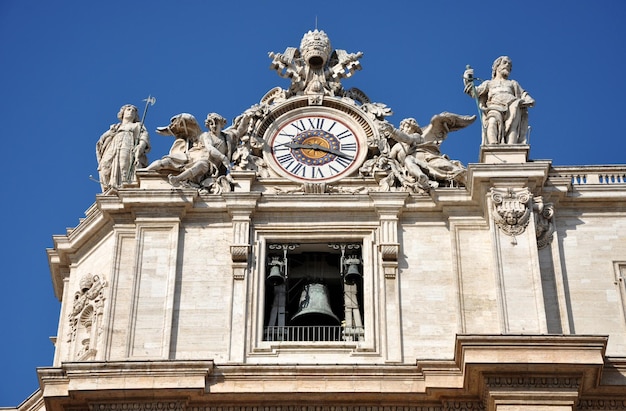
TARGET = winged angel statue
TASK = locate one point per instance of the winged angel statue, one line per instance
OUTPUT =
(412, 157)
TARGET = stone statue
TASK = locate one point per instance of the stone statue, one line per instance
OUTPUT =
(503, 102)
(416, 152)
(122, 149)
(197, 155)
(315, 69)
(186, 149)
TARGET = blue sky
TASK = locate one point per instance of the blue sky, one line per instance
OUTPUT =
(68, 66)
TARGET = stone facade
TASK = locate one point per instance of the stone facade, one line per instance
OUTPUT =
(499, 286)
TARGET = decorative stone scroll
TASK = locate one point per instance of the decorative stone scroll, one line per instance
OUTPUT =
(544, 225)
(511, 209)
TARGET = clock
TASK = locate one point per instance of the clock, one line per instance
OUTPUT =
(315, 145)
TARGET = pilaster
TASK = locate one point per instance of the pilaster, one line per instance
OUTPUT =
(153, 289)
(508, 193)
(388, 206)
(240, 206)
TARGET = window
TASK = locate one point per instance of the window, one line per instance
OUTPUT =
(313, 292)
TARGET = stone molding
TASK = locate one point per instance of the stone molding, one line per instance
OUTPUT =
(316, 408)
(463, 406)
(601, 404)
(534, 382)
(173, 405)
(538, 368)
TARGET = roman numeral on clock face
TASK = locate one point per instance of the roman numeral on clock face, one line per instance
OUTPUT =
(315, 123)
(348, 147)
(294, 167)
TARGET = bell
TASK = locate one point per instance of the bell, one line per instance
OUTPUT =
(314, 307)
(352, 275)
(276, 276)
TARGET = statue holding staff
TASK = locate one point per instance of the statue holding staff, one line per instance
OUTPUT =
(502, 102)
(122, 148)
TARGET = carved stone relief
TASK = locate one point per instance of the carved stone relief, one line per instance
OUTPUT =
(139, 406)
(511, 209)
(85, 318)
(544, 224)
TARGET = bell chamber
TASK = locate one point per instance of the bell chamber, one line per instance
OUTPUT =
(313, 292)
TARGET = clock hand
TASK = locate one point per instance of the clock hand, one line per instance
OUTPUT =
(289, 144)
(330, 151)
(318, 147)
(293, 144)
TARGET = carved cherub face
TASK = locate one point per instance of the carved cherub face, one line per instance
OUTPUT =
(215, 123)
(410, 126)
(510, 218)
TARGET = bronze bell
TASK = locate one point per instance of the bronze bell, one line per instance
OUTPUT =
(314, 307)
(352, 275)
(276, 276)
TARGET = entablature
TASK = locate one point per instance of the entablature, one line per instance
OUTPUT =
(485, 370)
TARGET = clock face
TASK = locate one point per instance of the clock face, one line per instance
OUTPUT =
(316, 148)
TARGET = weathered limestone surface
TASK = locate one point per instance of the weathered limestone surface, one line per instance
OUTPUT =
(496, 286)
